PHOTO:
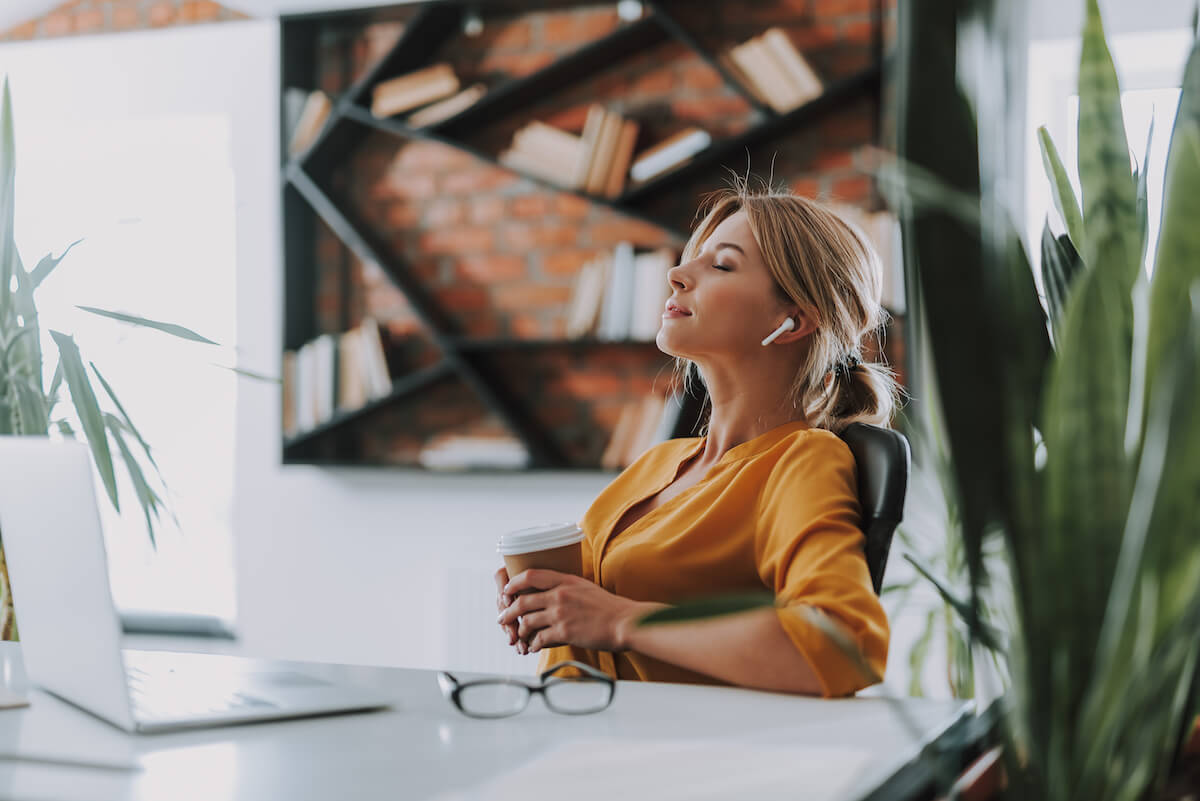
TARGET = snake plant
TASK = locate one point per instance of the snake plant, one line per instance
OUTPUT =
(1071, 426)
(28, 405)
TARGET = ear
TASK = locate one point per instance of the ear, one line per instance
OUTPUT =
(805, 325)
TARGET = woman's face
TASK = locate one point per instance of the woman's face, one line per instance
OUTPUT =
(724, 301)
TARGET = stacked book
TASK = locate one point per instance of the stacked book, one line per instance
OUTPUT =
(333, 373)
(312, 118)
(643, 423)
(595, 161)
(465, 452)
(771, 68)
(669, 153)
(435, 88)
(882, 231)
(622, 296)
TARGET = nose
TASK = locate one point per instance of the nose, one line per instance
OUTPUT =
(677, 277)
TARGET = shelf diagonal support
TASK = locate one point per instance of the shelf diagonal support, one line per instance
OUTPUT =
(441, 329)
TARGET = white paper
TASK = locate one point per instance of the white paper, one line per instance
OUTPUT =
(676, 770)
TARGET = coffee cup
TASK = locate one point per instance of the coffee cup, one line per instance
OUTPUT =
(557, 546)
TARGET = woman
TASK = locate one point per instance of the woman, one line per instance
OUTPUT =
(767, 498)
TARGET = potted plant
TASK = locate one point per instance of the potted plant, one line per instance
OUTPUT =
(28, 404)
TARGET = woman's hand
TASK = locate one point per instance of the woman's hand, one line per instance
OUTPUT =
(563, 609)
(503, 600)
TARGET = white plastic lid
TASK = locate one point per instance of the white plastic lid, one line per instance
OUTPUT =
(539, 538)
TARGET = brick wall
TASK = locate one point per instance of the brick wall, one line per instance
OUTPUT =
(500, 252)
(78, 17)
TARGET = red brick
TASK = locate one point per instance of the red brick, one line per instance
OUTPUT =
(558, 29)
(860, 32)
(445, 212)
(523, 297)
(514, 64)
(462, 298)
(530, 206)
(806, 187)
(657, 82)
(597, 22)
(161, 14)
(591, 384)
(460, 239)
(403, 215)
(486, 209)
(568, 262)
(526, 326)
(571, 206)
(125, 18)
(833, 160)
(491, 268)
(826, 9)
(521, 237)
(853, 189)
(26, 30)
(635, 231)
(698, 75)
(57, 24)
(483, 179)
(569, 119)
(709, 108)
(89, 21)
(411, 184)
(509, 34)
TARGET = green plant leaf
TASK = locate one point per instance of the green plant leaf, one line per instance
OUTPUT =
(147, 498)
(84, 400)
(1176, 264)
(47, 265)
(987, 636)
(1061, 189)
(704, 608)
(1142, 197)
(1109, 194)
(124, 415)
(918, 654)
(166, 328)
(1060, 265)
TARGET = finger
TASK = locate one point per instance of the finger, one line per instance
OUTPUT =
(530, 602)
(546, 638)
(531, 624)
(510, 631)
(534, 579)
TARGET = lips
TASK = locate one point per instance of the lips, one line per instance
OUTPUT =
(672, 306)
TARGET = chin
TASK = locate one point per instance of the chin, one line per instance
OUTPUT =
(667, 346)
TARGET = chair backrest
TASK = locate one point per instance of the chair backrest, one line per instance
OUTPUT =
(882, 457)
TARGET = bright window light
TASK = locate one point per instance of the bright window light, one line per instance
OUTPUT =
(153, 201)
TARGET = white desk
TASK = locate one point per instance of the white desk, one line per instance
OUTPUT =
(423, 748)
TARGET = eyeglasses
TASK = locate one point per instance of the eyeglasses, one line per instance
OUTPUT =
(589, 692)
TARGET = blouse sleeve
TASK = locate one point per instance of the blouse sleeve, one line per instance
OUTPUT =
(809, 551)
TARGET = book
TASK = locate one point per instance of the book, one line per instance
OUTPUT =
(794, 65)
(670, 153)
(621, 159)
(374, 359)
(290, 397)
(462, 452)
(754, 60)
(586, 298)
(524, 161)
(623, 432)
(538, 138)
(648, 414)
(306, 395)
(617, 308)
(414, 89)
(602, 154)
(742, 78)
(324, 377)
(650, 292)
(352, 386)
(447, 108)
(312, 119)
(591, 132)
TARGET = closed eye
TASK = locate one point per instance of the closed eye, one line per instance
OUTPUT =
(723, 268)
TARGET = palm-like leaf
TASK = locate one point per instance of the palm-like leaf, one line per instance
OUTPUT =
(1061, 189)
(166, 328)
(84, 400)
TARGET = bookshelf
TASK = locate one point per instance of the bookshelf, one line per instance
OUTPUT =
(310, 176)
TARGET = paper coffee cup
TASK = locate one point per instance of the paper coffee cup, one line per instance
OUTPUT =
(557, 546)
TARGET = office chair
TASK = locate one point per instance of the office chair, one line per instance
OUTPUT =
(882, 457)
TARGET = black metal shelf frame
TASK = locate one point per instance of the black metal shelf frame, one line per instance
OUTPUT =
(351, 119)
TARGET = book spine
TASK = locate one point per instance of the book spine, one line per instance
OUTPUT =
(603, 153)
(591, 132)
(624, 154)
(647, 167)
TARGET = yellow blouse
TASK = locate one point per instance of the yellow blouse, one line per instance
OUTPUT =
(779, 512)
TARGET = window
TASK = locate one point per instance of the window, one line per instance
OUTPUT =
(151, 193)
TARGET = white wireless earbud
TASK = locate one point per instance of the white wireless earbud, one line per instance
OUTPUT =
(787, 325)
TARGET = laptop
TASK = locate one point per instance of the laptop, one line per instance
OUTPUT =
(71, 634)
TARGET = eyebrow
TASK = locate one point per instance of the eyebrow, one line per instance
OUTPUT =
(738, 248)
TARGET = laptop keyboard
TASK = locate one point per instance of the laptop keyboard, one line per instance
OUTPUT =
(159, 695)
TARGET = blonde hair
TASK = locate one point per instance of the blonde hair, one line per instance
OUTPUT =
(827, 267)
